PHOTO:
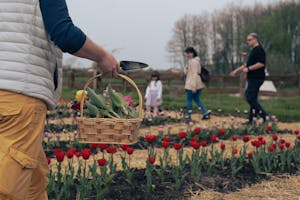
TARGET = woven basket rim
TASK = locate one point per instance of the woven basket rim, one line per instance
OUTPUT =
(81, 119)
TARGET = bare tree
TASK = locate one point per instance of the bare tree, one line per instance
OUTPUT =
(190, 30)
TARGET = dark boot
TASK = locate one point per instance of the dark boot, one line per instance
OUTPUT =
(206, 116)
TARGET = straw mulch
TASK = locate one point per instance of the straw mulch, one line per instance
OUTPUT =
(282, 187)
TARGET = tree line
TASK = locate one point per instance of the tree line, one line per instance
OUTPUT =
(220, 37)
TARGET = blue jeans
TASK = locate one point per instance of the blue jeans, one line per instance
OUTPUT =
(251, 96)
(190, 96)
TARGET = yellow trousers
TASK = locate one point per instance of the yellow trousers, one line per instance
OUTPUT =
(23, 166)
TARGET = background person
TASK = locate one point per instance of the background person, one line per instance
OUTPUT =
(255, 69)
(194, 84)
(153, 96)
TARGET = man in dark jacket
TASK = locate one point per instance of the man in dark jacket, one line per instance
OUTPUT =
(255, 69)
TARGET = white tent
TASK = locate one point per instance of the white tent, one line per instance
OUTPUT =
(268, 86)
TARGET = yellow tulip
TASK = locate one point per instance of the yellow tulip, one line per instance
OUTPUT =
(79, 93)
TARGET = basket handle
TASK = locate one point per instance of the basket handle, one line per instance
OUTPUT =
(132, 83)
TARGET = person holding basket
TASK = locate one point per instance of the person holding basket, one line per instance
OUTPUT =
(33, 35)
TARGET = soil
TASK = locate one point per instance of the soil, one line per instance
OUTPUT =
(219, 181)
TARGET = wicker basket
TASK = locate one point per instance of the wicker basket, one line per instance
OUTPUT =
(108, 130)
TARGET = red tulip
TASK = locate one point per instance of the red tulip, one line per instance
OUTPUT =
(151, 160)
(70, 154)
(102, 146)
(246, 138)
(75, 106)
(165, 144)
(166, 139)
(101, 162)
(60, 156)
(250, 155)
(260, 138)
(203, 143)
(78, 154)
(234, 138)
(296, 132)
(57, 150)
(197, 130)
(234, 151)
(182, 135)
(282, 141)
(256, 143)
(222, 146)
(269, 128)
(48, 160)
(271, 148)
(274, 145)
(194, 139)
(86, 153)
(287, 145)
(129, 150)
(195, 144)
(73, 149)
(111, 149)
(124, 147)
(93, 146)
(177, 146)
(282, 146)
(275, 137)
(213, 138)
(298, 137)
(222, 131)
(263, 142)
(150, 138)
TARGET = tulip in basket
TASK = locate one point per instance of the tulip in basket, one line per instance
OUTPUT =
(108, 119)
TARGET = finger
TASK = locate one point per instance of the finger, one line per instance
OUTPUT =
(118, 66)
(107, 74)
(115, 73)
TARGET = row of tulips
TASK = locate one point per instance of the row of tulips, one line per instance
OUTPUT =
(207, 157)
(54, 140)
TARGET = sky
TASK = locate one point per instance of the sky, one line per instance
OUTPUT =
(137, 30)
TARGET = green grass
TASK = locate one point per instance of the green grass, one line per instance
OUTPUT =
(285, 108)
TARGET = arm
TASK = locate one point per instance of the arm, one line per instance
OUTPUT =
(147, 92)
(254, 67)
(70, 38)
(159, 90)
(195, 73)
(94, 52)
(237, 70)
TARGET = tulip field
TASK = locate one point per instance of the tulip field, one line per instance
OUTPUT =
(171, 160)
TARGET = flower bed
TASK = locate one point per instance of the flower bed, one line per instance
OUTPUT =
(211, 164)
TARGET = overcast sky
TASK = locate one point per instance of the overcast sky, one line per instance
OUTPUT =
(137, 29)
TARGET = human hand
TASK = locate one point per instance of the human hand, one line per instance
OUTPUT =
(232, 74)
(109, 65)
(244, 53)
(246, 70)
(194, 90)
(157, 99)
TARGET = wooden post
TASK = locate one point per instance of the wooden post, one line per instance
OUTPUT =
(242, 84)
(299, 83)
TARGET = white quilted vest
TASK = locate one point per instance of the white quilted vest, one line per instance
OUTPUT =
(29, 63)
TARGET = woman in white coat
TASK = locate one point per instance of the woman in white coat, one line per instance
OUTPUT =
(194, 84)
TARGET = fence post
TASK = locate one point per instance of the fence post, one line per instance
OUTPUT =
(299, 83)
(242, 84)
